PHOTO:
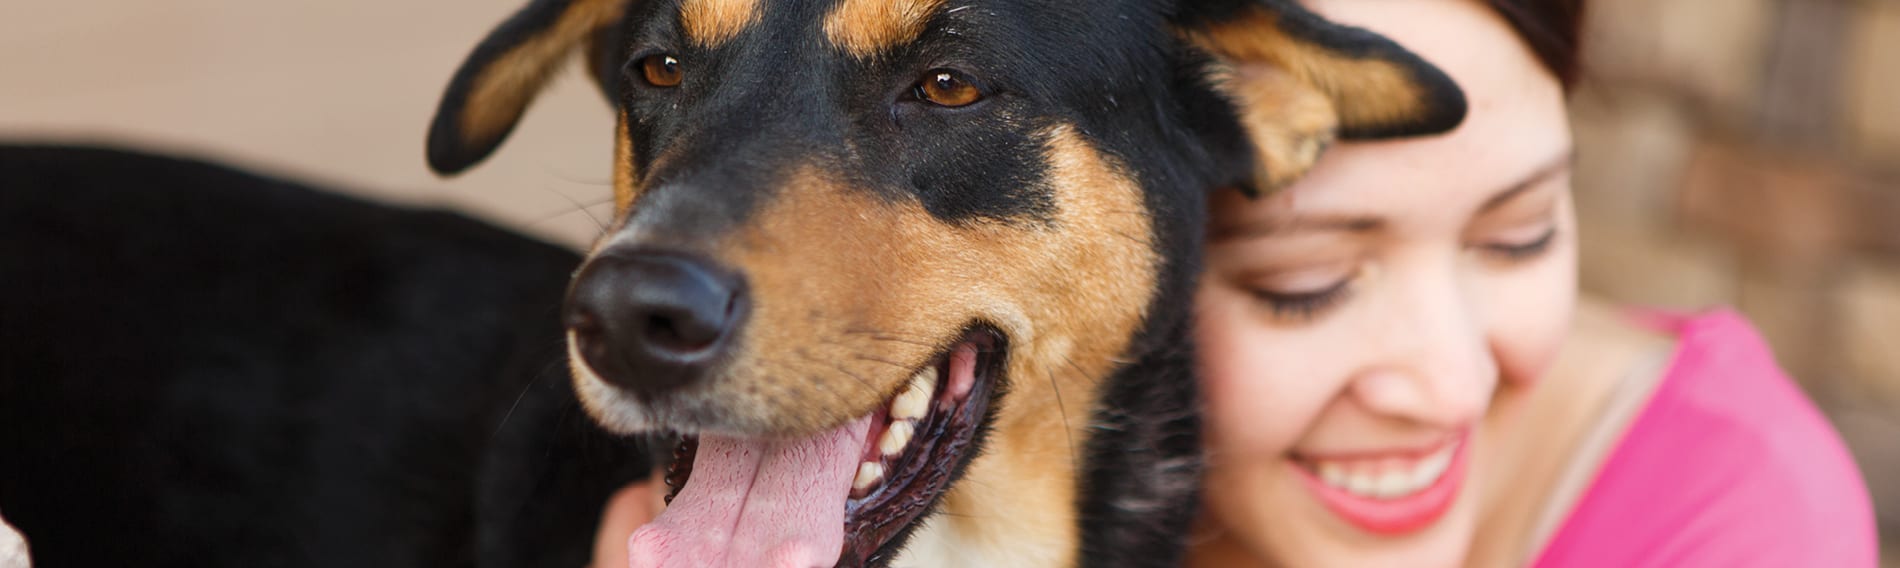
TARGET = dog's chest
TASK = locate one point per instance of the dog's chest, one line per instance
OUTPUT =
(942, 544)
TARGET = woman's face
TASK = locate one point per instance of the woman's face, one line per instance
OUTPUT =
(1356, 327)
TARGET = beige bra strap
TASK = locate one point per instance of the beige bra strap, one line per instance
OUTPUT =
(1631, 396)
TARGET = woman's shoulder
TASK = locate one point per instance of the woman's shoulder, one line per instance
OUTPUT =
(1726, 463)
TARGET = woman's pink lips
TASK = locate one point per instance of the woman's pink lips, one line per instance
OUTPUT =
(1394, 516)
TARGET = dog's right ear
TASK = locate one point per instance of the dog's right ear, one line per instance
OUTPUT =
(494, 86)
(1296, 81)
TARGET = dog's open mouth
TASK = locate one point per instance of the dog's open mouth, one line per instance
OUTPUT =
(849, 492)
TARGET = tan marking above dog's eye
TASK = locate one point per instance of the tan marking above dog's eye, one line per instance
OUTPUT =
(946, 88)
(661, 70)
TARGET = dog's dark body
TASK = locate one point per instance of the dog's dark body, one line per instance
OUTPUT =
(204, 367)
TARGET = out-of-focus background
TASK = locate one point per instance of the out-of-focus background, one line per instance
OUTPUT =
(1747, 152)
(336, 91)
(1741, 152)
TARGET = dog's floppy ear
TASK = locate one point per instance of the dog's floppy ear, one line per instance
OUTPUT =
(496, 83)
(1298, 81)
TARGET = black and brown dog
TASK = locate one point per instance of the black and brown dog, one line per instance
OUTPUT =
(879, 259)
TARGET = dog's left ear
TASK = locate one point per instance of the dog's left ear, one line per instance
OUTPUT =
(1298, 81)
(494, 86)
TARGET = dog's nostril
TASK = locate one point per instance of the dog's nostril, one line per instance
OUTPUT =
(661, 332)
(652, 322)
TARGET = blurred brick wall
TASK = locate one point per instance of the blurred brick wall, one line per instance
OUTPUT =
(1747, 152)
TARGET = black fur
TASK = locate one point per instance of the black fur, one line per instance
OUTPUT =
(205, 367)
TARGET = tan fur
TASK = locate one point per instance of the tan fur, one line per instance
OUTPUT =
(502, 91)
(1015, 507)
(866, 27)
(1289, 122)
(1363, 91)
(712, 22)
(851, 293)
(626, 170)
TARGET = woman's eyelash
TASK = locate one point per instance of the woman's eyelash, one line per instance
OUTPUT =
(1303, 305)
(1515, 252)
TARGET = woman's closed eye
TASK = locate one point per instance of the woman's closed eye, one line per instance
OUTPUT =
(1515, 250)
(1300, 297)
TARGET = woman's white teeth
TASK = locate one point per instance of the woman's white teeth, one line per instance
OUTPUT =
(1368, 478)
(869, 473)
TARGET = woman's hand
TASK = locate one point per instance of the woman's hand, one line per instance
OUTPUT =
(632, 506)
(13, 548)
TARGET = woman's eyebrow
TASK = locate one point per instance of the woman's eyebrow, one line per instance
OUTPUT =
(1297, 224)
(1550, 170)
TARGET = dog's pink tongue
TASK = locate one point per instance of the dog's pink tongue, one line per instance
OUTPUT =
(757, 503)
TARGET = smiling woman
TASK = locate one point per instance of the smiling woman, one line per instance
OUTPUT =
(1399, 371)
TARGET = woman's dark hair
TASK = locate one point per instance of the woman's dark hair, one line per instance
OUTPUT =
(1551, 27)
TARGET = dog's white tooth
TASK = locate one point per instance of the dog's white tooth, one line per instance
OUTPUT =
(896, 436)
(912, 403)
(925, 380)
(868, 474)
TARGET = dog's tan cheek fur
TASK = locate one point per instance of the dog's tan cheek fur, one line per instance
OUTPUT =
(1365, 92)
(712, 22)
(626, 171)
(1083, 287)
(836, 274)
(865, 27)
(503, 89)
(1091, 306)
(815, 353)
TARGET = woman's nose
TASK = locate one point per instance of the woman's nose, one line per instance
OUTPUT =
(1436, 364)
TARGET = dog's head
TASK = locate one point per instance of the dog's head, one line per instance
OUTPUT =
(845, 229)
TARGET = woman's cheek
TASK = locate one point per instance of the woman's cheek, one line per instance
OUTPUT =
(1256, 377)
(1531, 313)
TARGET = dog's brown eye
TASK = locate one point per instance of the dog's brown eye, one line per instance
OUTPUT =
(661, 70)
(948, 88)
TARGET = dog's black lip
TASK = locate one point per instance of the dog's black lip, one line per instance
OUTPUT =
(877, 524)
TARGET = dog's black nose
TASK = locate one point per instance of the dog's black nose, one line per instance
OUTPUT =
(650, 323)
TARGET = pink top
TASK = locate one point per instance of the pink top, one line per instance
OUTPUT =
(1727, 465)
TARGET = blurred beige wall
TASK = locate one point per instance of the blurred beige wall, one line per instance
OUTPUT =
(338, 91)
